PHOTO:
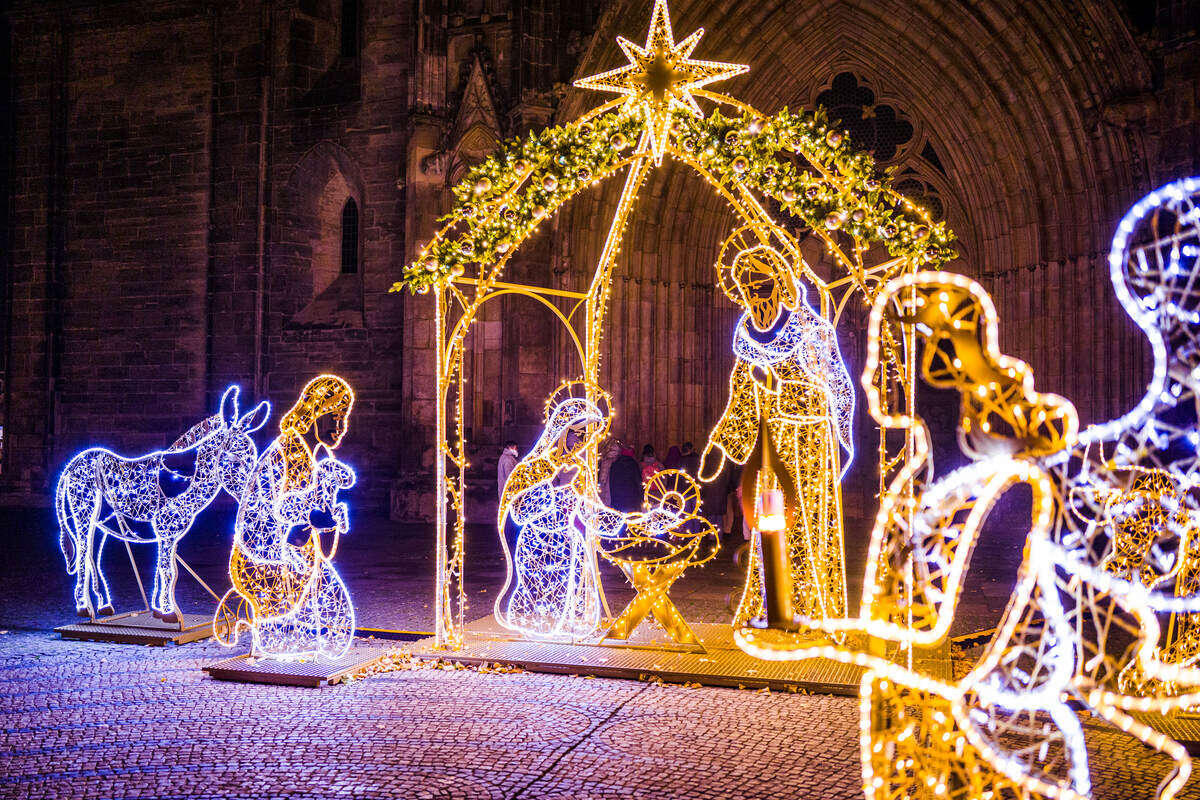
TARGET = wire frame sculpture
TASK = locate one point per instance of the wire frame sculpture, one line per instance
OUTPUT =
(150, 499)
(655, 549)
(790, 408)
(289, 597)
(794, 161)
(551, 588)
(1111, 528)
(1142, 469)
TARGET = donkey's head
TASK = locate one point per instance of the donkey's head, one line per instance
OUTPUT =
(234, 449)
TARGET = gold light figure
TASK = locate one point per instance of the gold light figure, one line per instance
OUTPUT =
(1009, 727)
(790, 407)
(290, 598)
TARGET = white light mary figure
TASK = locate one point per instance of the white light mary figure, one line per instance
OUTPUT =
(552, 589)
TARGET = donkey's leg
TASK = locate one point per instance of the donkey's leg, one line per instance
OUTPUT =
(99, 582)
(165, 575)
(87, 565)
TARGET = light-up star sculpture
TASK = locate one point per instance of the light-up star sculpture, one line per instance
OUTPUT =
(660, 78)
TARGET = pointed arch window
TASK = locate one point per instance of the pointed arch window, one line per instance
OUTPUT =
(350, 237)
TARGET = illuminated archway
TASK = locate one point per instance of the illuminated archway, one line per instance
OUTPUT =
(790, 163)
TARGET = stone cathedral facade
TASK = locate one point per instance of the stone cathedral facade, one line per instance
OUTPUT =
(206, 192)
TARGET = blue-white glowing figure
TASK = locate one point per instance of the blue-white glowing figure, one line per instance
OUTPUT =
(153, 498)
(791, 406)
(552, 497)
(288, 596)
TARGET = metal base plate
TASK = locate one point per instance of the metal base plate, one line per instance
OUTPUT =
(311, 673)
(139, 628)
(1182, 726)
(723, 664)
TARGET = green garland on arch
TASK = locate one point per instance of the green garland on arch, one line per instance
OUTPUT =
(560, 161)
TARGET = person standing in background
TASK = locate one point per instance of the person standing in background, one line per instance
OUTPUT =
(625, 482)
(504, 467)
(650, 463)
(672, 461)
(609, 454)
(689, 461)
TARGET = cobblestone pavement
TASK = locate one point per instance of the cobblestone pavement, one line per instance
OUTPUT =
(84, 720)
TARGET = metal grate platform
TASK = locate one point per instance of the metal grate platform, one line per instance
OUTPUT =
(311, 674)
(1183, 727)
(139, 628)
(642, 657)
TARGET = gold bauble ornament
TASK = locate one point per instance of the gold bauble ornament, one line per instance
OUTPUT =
(539, 212)
(618, 142)
(834, 220)
(833, 138)
(549, 183)
(740, 165)
(482, 185)
(789, 195)
(858, 215)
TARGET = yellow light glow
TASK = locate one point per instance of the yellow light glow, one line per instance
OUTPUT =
(660, 78)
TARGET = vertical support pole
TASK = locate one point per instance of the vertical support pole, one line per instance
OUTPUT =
(441, 598)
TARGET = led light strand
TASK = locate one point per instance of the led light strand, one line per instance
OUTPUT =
(796, 158)
(289, 597)
(101, 494)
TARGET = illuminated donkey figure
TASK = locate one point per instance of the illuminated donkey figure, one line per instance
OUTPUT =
(100, 494)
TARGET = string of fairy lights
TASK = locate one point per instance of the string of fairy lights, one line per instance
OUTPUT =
(1109, 551)
(793, 160)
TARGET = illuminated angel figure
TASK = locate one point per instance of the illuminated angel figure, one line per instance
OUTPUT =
(151, 498)
(1009, 727)
(791, 405)
(289, 597)
(1135, 499)
(552, 497)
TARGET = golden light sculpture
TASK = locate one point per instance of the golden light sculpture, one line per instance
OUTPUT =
(790, 408)
(1071, 629)
(653, 558)
(792, 160)
(289, 598)
(551, 588)
(660, 78)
